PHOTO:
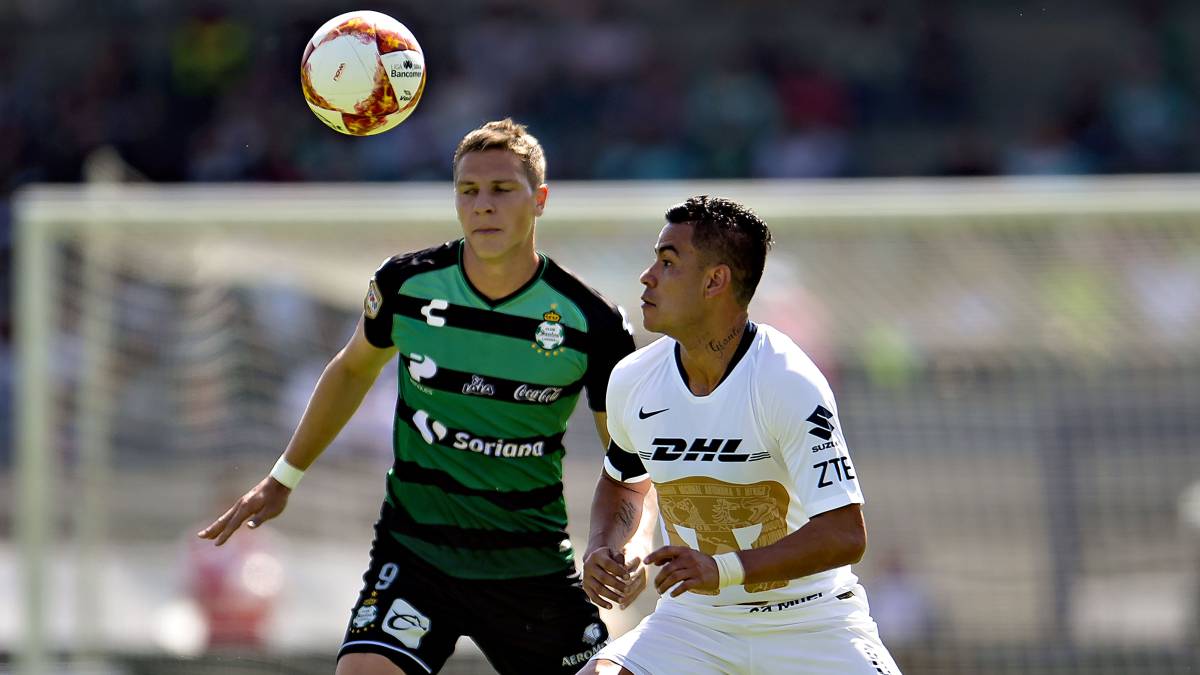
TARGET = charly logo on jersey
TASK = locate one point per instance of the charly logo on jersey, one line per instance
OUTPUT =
(821, 419)
(478, 387)
(550, 334)
(701, 450)
(405, 623)
(435, 305)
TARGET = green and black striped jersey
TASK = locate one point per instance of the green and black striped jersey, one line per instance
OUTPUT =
(485, 391)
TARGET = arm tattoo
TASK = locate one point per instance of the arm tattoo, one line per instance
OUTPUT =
(625, 516)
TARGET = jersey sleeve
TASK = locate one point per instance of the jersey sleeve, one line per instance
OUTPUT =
(624, 466)
(611, 340)
(801, 415)
(378, 305)
(621, 462)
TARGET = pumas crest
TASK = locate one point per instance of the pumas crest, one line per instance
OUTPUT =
(550, 334)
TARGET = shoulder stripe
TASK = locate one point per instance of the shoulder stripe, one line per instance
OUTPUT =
(400, 268)
(507, 391)
(443, 313)
(594, 306)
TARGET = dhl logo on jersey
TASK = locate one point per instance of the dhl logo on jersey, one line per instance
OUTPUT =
(701, 450)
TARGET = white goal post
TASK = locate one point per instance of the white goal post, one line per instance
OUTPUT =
(954, 314)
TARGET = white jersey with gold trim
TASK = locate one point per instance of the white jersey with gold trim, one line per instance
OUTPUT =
(741, 467)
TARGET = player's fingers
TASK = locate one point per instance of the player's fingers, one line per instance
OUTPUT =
(268, 510)
(612, 563)
(616, 569)
(683, 587)
(258, 518)
(592, 589)
(665, 554)
(218, 525)
(668, 577)
(235, 521)
(605, 578)
(634, 589)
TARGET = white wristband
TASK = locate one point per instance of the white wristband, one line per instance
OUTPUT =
(729, 569)
(286, 474)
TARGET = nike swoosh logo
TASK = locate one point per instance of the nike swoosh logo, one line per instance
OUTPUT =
(642, 414)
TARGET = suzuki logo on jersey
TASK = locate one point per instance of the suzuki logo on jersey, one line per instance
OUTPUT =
(822, 427)
(702, 450)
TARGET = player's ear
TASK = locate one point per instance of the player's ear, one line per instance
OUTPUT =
(719, 280)
(539, 196)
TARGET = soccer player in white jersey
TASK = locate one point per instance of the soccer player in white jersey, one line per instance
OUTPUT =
(760, 504)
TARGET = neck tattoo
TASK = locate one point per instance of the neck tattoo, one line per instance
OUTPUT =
(720, 345)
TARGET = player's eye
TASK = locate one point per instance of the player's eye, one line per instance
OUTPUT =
(469, 191)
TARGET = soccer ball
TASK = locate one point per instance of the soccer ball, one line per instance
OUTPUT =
(362, 73)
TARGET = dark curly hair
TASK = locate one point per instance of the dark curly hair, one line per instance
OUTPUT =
(726, 232)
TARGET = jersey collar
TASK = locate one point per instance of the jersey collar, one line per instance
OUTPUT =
(492, 304)
(742, 348)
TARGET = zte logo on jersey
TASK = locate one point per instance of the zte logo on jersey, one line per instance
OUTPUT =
(702, 450)
(834, 470)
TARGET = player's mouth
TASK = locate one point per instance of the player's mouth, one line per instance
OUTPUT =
(646, 302)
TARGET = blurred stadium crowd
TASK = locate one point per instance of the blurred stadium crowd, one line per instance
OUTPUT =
(616, 89)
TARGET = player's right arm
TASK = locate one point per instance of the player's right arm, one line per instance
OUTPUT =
(617, 511)
(339, 392)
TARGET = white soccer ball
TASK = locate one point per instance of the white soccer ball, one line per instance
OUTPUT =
(362, 73)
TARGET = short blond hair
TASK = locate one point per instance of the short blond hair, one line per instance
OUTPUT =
(506, 134)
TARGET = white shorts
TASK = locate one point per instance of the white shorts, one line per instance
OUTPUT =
(826, 636)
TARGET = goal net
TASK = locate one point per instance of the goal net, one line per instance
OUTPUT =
(1017, 364)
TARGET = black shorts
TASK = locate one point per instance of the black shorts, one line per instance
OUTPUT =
(413, 614)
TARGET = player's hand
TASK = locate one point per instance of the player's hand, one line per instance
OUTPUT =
(686, 569)
(607, 575)
(262, 503)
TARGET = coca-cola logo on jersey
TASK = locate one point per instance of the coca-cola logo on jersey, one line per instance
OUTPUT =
(535, 395)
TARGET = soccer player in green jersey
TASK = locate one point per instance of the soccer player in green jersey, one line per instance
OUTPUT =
(496, 343)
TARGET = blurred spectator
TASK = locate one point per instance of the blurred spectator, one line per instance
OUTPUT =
(968, 154)
(900, 604)
(235, 586)
(1148, 114)
(1047, 150)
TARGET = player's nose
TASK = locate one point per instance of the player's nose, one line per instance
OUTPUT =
(647, 278)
